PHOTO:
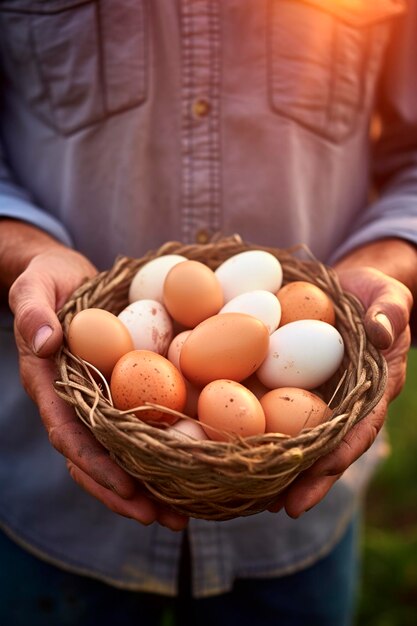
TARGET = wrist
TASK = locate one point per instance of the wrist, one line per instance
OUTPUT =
(20, 242)
(394, 257)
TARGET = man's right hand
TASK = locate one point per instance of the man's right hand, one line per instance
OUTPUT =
(35, 296)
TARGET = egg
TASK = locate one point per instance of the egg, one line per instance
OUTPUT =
(227, 345)
(262, 304)
(227, 409)
(303, 300)
(248, 271)
(304, 353)
(98, 337)
(173, 355)
(143, 376)
(192, 293)
(288, 410)
(148, 282)
(185, 428)
(149, 325)
(175, 347)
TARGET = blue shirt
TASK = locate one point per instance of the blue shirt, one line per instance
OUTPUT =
(127, 124)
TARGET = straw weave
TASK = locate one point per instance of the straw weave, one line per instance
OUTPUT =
(221, 480)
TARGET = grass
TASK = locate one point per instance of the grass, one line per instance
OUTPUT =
(388, 594)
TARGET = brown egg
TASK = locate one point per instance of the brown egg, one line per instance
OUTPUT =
(300, 299)
(192, 293)
(228, 345)
(227, 408)
(144, 376)
(289, 409)
(175, 347)
(99, 337)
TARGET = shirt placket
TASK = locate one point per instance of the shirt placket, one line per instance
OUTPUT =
(200, 30)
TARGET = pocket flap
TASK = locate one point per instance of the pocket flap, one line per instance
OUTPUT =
(361, 12)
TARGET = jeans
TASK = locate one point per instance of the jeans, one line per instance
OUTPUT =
(35, 593)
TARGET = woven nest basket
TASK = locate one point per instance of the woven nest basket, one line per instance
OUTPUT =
(221, 480)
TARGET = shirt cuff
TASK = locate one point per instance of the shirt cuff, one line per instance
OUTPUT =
(400, 223)
(15, 207)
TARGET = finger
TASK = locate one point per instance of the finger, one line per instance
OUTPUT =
(306, 492)
(387, 301)
(32, 300)
(355, 443)
(139, 507)
(76, 443)
(172, 520)
(278, 503)
(379, 328)
(314, 483)
(68, 435)
(386, 319)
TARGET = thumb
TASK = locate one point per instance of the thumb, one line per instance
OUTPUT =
(387, 302)
(379, 329)
(32, 299)
(388, 316)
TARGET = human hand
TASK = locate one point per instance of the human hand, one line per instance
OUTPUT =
(388, 304)
(35, 296)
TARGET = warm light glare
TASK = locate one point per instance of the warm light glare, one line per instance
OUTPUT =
(362, 11)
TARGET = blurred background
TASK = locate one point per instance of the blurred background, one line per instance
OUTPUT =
(388, 589)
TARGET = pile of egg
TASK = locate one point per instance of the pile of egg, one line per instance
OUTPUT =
(234, 349)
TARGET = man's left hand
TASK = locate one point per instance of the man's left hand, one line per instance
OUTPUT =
(388, 305)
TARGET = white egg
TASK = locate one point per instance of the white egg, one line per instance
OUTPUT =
(247, 271)
(149, 325)
(149, 279)
(184, 428)
(262, 304)
(304, 353)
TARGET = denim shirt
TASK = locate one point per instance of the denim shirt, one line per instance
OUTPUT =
(127, 124)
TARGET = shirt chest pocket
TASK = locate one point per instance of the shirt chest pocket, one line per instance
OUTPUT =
(324, 58)
(75, 62)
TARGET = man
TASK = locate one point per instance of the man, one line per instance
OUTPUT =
(128, 124)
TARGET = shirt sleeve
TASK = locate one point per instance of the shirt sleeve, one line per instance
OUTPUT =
(393, 211)
(16, 203)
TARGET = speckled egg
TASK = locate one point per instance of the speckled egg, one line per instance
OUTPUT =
(227, 409)
(143, 376)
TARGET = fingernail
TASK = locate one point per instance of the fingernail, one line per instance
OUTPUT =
(41, 337)
(382, 319)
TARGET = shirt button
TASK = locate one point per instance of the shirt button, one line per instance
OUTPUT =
(201, 107)
(202, 236)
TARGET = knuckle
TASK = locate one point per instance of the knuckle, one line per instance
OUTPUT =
(72, 470)
(24, 308)
(17, 289)
(399, 310)
(56, 440)
(25, 315)
(343, 459)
